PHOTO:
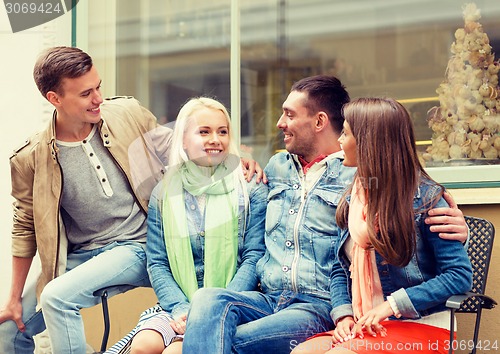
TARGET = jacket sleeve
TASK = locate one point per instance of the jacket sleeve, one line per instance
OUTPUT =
(339, 284)
(148, 153)
(23, 229)
(454, 274)
(254, 246)
(158, 137)
(170, 296)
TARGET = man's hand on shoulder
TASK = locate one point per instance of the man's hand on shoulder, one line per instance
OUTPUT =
(448, 222)
(251, 167)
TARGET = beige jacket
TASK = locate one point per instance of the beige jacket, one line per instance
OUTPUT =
(139, 146)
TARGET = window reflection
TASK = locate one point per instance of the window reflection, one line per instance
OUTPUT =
(168, 51)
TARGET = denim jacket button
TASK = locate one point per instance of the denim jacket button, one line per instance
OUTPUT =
(295, 186)
(288, 243)
(291, 211)
(285, 268)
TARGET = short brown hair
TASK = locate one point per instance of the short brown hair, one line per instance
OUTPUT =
(324, 93)
(57, 63)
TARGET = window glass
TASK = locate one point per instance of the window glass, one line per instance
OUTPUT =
(168, 51)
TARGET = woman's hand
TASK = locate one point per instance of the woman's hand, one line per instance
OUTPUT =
(179, 325)
(370, 321)
(343, 330)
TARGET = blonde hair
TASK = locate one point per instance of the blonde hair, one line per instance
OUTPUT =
(185, 118)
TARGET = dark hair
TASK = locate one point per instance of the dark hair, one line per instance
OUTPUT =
(57, 63)
(324, 93)
(386, 153)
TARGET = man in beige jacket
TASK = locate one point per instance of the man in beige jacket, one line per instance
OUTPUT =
(81, 192)
(81, 188)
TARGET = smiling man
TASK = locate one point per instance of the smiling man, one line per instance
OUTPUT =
(76, 203)
(81, 189)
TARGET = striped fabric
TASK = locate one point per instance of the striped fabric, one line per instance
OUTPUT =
(123, 345)
(160, 323)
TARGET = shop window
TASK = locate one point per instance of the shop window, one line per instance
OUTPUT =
(168, 51)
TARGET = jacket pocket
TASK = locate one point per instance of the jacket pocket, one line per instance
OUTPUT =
(331, 196)
(275, 207)
(321, 211)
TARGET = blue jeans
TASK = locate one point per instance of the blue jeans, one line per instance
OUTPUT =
(120, 263)
(224, 321)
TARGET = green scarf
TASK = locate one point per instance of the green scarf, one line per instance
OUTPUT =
(221, 223)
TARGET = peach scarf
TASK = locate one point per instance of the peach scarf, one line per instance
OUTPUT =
(366, 287)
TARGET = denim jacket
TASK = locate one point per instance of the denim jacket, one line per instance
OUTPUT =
(438, 269)
(300, 226)
(251, 246)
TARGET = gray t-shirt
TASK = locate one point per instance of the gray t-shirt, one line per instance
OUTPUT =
(97, 203)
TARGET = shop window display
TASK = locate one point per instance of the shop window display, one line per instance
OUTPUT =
(466, 124)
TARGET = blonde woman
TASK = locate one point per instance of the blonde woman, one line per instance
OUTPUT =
(205, 223)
